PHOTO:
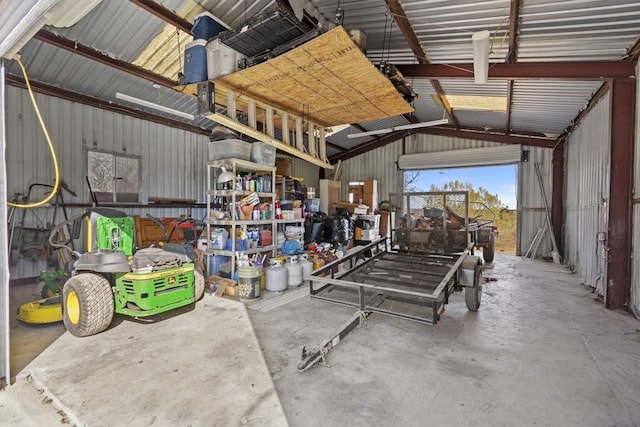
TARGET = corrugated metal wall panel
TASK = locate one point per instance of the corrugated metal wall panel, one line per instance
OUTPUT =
(531, 211)
(172, 160)
(308, 172)
(376, 164)
(635, 261)
(586, 195)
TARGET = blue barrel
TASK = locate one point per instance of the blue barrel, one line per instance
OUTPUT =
(206, 26)
(195, 61)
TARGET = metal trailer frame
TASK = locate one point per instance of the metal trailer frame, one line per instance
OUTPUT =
(396, 280)
(359, 284)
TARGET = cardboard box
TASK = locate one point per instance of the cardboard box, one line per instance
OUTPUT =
(365, 193)
(370, 193)
(366, 235)
(221, 286)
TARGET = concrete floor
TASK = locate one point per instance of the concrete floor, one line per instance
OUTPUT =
(541, 351)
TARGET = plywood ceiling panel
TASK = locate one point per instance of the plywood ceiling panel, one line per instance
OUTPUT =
(328, 79)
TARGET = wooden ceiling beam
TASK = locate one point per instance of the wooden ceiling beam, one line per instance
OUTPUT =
(402, 20)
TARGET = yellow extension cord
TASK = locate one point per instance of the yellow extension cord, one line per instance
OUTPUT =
(56, 184)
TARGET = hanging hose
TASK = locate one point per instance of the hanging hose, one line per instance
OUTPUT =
(56, 184)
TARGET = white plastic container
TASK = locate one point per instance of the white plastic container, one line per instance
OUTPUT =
(219, 238)
(221, 59)
(229, 148)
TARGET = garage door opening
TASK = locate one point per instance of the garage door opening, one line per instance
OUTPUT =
(493, 186)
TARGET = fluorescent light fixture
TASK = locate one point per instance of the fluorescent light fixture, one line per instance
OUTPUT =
(480, 41)
(422, 125)
(158, 107)
(401, 127)
(369, 133)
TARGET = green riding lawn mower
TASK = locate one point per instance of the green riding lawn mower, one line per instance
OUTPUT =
(112, 277)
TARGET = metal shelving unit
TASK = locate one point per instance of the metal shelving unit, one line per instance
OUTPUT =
(231, 197)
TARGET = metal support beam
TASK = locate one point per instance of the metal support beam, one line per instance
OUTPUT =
(101, 57)
(482, 135)
(557, 193)
(368, 146)
(102, 104)
(622, 123)
(512, 57)
(526, 70)
(168, 16)
(402, 20)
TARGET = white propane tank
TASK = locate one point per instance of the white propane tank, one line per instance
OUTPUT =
(277, 277)
(294, 268)
(307, 267)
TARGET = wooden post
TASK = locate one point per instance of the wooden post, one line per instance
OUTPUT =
(269, 121)
(251, 107)
(311, 138)
(285, 129)
(299, 135)
(231, 105)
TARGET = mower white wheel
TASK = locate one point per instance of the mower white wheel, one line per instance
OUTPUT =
(198, 285)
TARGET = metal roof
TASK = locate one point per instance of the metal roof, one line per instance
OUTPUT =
(548, 30)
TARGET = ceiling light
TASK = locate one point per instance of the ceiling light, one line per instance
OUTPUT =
(158, 107)
(369, 133)
(480, 41)
(422, 124)
(401, 127)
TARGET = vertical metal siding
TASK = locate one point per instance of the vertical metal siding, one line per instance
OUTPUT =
(635, 260)
(172, 160)
(587, 194)
(308, 172)
(531, 209)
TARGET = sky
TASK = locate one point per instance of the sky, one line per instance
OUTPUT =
(500, 180)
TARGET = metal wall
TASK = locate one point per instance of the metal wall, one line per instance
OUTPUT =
(4, 244)
(380, 164)
(635, 261)
(172, 161)
(586, 196)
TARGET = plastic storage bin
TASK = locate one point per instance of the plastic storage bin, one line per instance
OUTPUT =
(215, 262)
(206, 26)
(195, 62)
(263, 153)
(221, 60)
(229, 148)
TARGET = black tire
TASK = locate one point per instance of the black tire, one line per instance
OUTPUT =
(488, 251)
(473, 296)
(88, 304)
(198, 285)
